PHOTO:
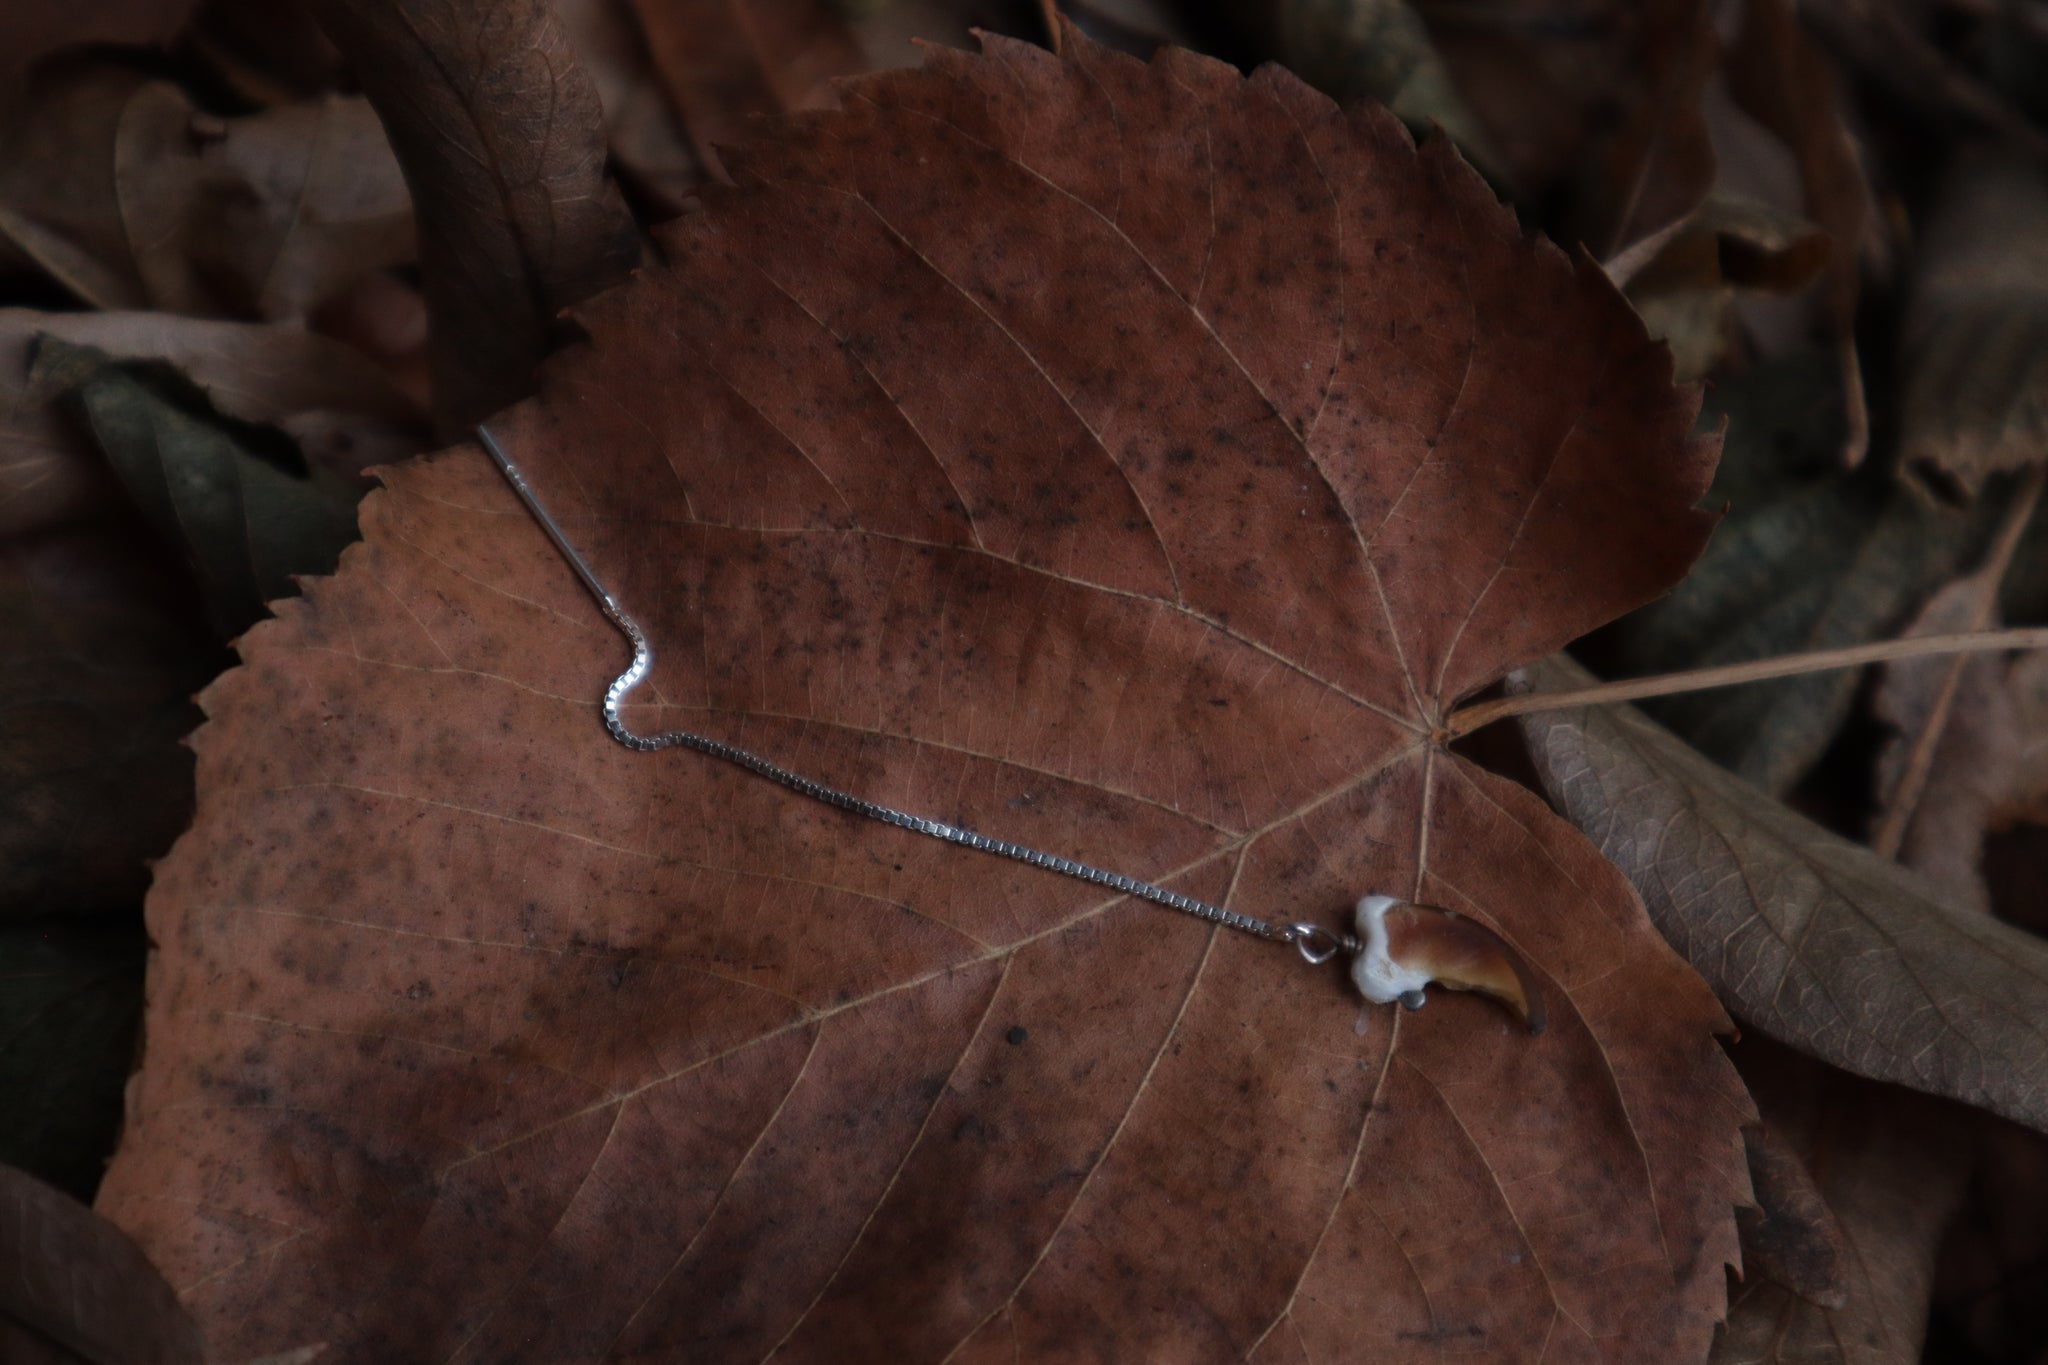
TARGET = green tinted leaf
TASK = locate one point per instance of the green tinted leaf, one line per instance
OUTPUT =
(238, 498)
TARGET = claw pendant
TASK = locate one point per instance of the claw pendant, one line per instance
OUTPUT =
(1404, 947)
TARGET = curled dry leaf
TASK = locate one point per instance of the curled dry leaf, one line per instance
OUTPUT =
(1808, 938)
(1790, 1237)
(1788, 201)
(650, 149)
(725, 63)
(501, 136)
(123, 192)
(1893, 1167)
(1974, 760)
(1976, 334)
(60, 209)
(69, 1279)
(1780, 75)
(1756, 246)
(1682, 280)
(1136, 462)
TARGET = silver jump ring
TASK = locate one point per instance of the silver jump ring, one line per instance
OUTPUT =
(1316, 944)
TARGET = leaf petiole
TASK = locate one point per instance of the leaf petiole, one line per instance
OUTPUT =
(1467, 719)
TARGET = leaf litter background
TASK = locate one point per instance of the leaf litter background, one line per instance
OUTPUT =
(1758, 182)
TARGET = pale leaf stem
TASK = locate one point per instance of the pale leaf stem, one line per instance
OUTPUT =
(1467, 719)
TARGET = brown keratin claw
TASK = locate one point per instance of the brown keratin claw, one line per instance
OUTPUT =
(1409, 946)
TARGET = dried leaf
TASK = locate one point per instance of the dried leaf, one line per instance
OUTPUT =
(1683, 279)
(240, 501)
(1975, 349)
(1369, 49)
(59, 206)
(69, 1280)
(1806, 937)
(502, 139)
(70, 998)
(1993, 1277)
(131, 198)
(267, 216)
(725, 63)
(1133, 461)
(1881, 43)
(2026, 798)
(650, 150)
(99, 654)
(338, 408)
(1893, 1166)
(1791, 1237)
(1586, 100)
(1780, 76)
(1809, 557)
(1975, 757)
(1659, 165)
(1756, 246)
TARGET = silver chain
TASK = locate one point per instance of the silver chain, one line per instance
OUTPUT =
(1316, 943)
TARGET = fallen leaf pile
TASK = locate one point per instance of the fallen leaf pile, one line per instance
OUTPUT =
(1128, 452)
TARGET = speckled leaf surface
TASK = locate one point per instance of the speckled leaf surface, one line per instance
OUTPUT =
(1132, 461)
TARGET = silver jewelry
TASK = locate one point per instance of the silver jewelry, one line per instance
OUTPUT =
(1381, 973)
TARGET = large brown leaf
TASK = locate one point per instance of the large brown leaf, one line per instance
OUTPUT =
(1811, 939)
(1133, 461)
